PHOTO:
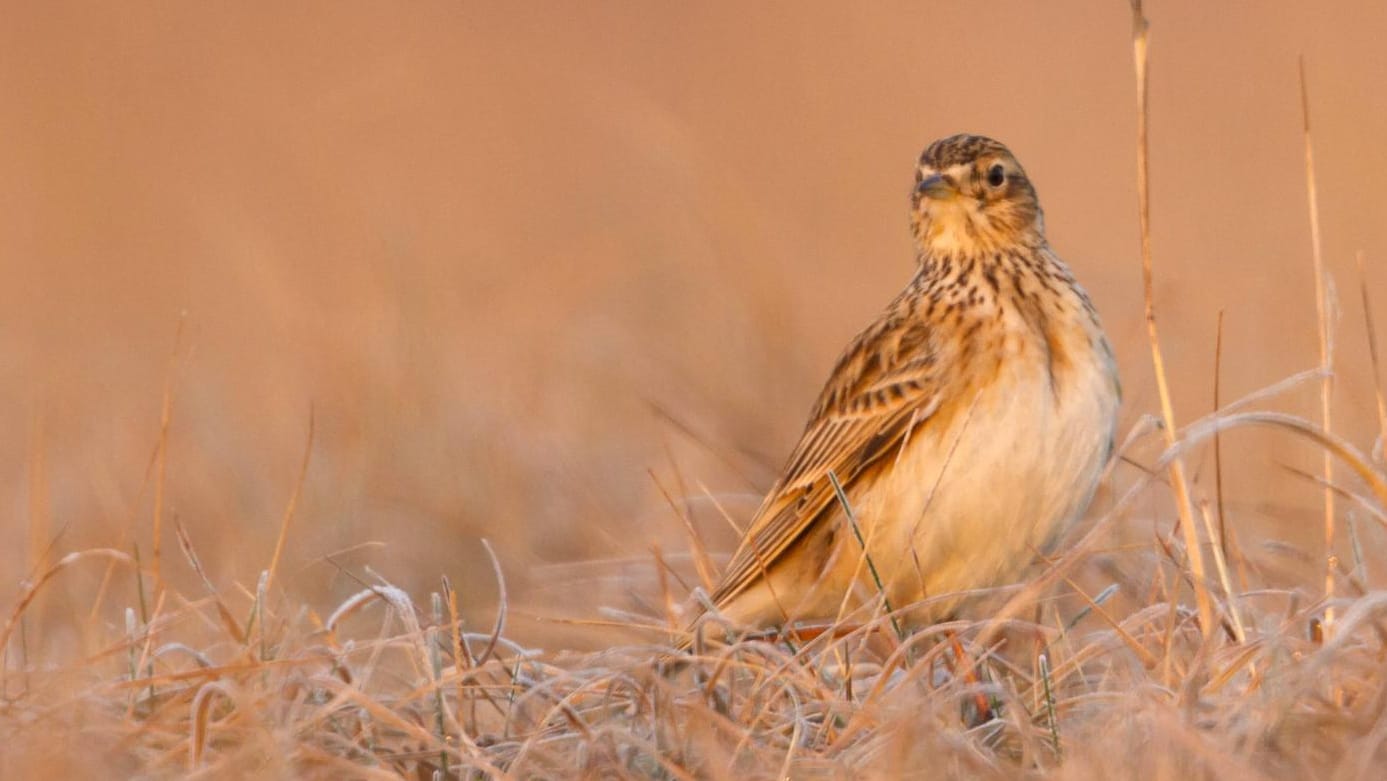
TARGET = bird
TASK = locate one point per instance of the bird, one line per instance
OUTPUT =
(967, 427)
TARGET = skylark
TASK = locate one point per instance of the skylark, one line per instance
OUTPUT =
(968, 425)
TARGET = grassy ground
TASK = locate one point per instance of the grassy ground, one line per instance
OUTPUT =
(1091, 685)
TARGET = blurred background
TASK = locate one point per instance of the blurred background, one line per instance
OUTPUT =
(533, 266)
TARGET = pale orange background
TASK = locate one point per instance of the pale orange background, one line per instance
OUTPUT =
(489, 243)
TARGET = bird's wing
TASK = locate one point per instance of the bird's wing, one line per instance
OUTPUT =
(885, 385)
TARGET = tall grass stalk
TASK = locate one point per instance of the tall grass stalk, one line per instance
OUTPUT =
(1178, 482)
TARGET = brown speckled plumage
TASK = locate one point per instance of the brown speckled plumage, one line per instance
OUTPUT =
(968, 424)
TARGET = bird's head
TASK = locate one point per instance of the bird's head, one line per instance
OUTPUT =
(972, 197)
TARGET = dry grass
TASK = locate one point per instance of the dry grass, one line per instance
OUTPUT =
(1124, 687)
(1141, 651)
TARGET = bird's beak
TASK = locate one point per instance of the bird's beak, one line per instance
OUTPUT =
(936, 188)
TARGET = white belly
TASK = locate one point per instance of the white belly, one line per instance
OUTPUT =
(969, 504)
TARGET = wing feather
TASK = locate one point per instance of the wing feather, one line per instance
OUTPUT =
(874, 396)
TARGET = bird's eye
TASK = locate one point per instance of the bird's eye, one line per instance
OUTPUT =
(996, 175)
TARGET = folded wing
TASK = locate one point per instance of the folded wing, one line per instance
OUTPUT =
(884, 387)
